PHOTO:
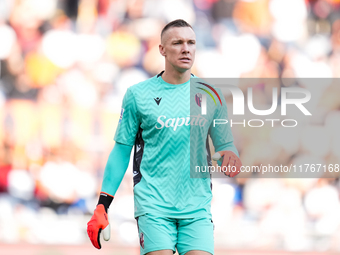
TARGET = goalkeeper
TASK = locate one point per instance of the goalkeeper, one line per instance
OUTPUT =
(172, 210)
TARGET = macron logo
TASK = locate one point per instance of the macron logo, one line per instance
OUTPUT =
(157, 100)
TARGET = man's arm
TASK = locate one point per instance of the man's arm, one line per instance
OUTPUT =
(227, 157)
(226, 153)
(230, 146)
(116, 166)
(115, 169)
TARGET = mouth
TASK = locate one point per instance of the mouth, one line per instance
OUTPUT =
(185, 59)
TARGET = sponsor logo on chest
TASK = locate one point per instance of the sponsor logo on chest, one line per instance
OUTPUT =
(174, 123)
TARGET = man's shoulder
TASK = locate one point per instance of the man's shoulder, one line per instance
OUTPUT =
(205, 84)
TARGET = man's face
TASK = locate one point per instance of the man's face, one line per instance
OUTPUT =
(178, 46)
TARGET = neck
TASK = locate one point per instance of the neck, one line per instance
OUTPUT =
(175, 77)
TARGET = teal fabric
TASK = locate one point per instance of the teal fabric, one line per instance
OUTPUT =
(115, 169)
(163, 233)
(220, 134)
(174, 137)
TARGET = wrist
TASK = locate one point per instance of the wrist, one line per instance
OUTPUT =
(105, 199)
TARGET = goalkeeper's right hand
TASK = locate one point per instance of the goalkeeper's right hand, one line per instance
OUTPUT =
(99, 222)
(230, 162)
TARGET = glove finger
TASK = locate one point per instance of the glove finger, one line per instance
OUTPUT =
(217, 156)
(94, 235)
(98, 239)
(107, 233)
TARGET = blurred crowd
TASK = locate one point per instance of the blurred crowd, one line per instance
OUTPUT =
(65, 66)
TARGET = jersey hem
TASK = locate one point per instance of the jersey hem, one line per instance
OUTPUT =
(187, 215)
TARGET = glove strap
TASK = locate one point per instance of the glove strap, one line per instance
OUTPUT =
(105, 199)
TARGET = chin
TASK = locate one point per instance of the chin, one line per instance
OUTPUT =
(185, 67)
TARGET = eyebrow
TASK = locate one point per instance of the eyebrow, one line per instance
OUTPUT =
(181, 40)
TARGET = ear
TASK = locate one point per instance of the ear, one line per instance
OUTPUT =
(162, 50)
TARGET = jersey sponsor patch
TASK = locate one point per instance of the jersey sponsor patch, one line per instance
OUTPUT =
(174, 123)
(121, 115)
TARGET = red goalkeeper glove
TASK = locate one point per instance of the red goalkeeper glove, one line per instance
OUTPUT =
(231, 163)
(100, 221)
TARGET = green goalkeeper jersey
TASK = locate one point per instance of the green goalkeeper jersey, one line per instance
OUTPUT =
(164, 123)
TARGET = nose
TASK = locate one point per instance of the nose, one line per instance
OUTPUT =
(185, 48)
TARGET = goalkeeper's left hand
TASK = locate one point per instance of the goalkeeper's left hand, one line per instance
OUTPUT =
(231, 163)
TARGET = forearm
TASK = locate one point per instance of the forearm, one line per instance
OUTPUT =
(227, 147)
(115, 169)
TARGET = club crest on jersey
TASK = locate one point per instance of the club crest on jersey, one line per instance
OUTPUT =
(121, 115)
(198, 99)
(141, 240)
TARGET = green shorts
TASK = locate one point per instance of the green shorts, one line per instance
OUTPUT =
(161, 233)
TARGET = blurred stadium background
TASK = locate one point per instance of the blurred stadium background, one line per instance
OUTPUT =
(65, 66)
